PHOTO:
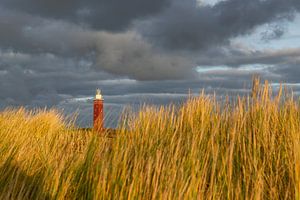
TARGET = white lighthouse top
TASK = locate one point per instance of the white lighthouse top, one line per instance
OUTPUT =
(98, 95)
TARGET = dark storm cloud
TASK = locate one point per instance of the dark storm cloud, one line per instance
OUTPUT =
(126, 54)
(26, 33)
(100, 14)
(171, 23)
(184, 25)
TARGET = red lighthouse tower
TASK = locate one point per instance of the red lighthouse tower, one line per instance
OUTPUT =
(98, 111)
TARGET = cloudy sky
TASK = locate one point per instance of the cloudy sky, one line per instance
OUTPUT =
(56, 53)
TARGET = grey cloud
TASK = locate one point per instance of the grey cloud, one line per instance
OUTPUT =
(288, 72)
(24, 32)
(184, 25)
(26, 78)
(236, 56)
(123, 54)
(100, 14)
(130, 55)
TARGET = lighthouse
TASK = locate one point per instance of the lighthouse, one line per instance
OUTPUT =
(98, 111)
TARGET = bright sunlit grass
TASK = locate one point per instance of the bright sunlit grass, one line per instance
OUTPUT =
(205, 149)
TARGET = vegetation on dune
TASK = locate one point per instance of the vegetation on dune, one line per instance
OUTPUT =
(204, 149)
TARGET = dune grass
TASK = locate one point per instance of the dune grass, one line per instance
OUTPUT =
(205, 149)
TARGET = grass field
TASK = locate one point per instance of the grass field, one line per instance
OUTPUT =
(206, 149)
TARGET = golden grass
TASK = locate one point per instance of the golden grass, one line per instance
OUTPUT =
(205, 149)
